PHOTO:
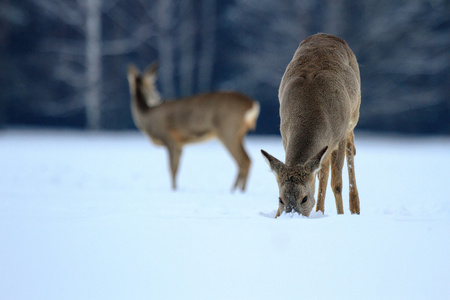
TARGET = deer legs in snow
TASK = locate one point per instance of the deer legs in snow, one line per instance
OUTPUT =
(336, 160)
(234, 146)
(351, 152)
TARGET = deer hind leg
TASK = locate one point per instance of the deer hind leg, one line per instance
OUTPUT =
(323, 182)
(337, 163)
(351, 152)
(237, 151)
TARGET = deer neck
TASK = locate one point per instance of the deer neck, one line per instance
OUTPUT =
(153, 99)
(141, 107)
(144, 102)
(139, 102)
(301, 145)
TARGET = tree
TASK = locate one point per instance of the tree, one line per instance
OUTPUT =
(87, 51)
(64, 61)
(188, 50)
(402, 49)
(208, 45)
(166, 46)
(12, 16)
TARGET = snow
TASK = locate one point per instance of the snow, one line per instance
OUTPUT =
(92, 216)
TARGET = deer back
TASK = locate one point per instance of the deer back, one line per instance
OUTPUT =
(319, 97)
(191, 119)
(199, 117)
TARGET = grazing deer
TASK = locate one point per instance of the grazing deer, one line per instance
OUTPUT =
(319, 98)
(225, 115)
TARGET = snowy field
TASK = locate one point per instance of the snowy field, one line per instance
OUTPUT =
(92, 216)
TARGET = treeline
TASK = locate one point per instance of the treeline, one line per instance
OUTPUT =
(64, 61)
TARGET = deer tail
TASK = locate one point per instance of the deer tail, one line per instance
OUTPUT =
(251, 116)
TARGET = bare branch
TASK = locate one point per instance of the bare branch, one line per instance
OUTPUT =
(63, 46)
(121, 46)
(65, 72)
(63, 11)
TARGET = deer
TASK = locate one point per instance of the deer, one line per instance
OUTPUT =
(225, 115)
(320, 98)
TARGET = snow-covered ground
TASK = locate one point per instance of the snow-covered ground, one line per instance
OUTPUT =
(92, 216)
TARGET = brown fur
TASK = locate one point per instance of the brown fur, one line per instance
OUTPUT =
(225, 115)
(319, 108)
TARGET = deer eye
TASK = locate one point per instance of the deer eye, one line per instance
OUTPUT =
(281, 201)
(305, 199)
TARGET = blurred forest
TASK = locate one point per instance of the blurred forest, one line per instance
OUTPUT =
(64, 61)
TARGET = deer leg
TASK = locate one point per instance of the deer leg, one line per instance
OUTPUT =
(174, 157)
(243, 162)
(337, 163)
(323, 181)
(351, 152)
(237, 151)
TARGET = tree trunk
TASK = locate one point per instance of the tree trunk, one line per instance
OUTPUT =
(208, 45)
(165, 44)
(187, 61)
(334, 17)
(93, 49)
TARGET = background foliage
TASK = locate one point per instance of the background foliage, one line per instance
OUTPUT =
(64, 62)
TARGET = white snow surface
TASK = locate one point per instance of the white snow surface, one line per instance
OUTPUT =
(92, 216)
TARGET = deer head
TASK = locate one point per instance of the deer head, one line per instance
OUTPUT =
(296, 184)
(144, 85)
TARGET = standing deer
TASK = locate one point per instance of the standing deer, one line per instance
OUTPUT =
(319, 98)
(225, 115)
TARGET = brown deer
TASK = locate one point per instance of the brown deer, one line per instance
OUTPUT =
(319, 98)
(225, 115)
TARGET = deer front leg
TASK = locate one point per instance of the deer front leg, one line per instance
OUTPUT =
(337, 163)
(353, 196)
(174, 150)
(323, 182)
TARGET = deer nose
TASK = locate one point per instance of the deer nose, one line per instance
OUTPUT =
(289, 205)
(288, 208)
(291, 200)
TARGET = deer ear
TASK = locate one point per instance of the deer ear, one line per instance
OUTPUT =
(313, 164)
(275, 164)
(133, 73)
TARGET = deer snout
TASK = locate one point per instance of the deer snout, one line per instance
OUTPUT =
(298, 205)
(288, 208)
(291, 204)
